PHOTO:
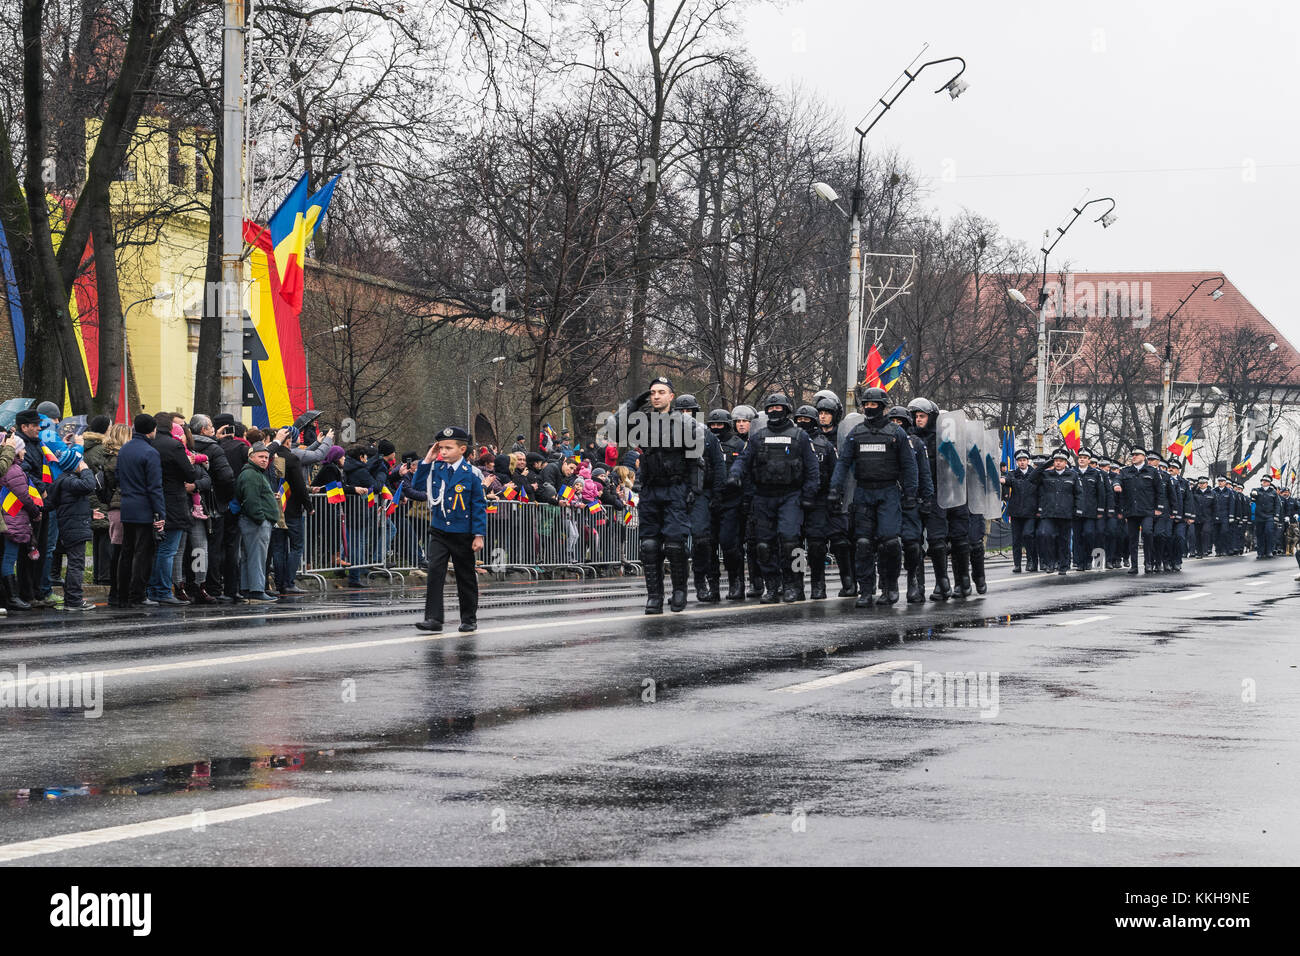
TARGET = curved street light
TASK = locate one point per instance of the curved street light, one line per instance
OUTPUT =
(1167, 367)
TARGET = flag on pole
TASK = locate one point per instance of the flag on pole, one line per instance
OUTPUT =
(1244, 465)
(1071, 426)
(568, 492)
(334, 493)
(35, 496)
(370, 499)
(874, 361)
(511, 493)
(491, 509)
(1180, 446)
(891, 372)
(627, 516)
(595, 508)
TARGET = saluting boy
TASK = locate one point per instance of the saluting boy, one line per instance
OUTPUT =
(457, 523)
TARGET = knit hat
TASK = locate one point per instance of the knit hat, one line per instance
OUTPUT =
(386, 448)
(144, 423)
(335, 453)
(98, 424)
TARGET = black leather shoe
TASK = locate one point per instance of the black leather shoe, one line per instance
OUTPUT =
(433, 626)
(293, 590)
(865, 599)
(468, 627)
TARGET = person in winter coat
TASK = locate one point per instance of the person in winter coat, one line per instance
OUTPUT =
(217, 504)
(144, 511)
(102, 460)
(259, 512)
(330, 471)
(1059, 503)
(179, 482)
(17, 526)
(101, 551)
(358, 485)
(287, 542)
(70, 496)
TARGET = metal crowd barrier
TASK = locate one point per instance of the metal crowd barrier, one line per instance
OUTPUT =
(521, 536)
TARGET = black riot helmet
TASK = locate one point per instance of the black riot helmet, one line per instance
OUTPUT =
(781, 402)
(743, 413)
(929, 408)
(828, 401)
(805, 416)
(719, 422)
(899, 413)
(685, 403)
(874, 396)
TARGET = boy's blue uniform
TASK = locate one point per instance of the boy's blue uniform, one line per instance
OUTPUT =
(457, 513)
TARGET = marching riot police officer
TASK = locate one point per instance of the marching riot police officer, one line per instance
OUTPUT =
(669, 481)
(1203, 515)
(838, 519)
(816, 520)
(1089, 526)
(727, 521)
(1143, 500)
(742, 419)
(1060, 496)
(1021, 495)
(1267, 505)
(946, 529)
(884, 471)
(704, 554)
(913, 528)
(779, 465)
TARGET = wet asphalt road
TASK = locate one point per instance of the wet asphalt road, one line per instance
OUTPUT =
(1146, 720)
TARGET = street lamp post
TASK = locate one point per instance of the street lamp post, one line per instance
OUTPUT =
(955, 87)
(306, 355)
(468, 373)
(1040, 399)
(1167, 367)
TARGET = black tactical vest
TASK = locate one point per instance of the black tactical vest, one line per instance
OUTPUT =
(777, 461)
(875, 452)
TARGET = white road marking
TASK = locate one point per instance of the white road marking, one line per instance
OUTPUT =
(207, 662)
(1083, 620)
(843, 677)
(1255, 584)
(1194, 595)
(76, 841)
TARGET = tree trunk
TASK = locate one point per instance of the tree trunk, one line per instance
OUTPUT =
(207, 368)
(111, 327)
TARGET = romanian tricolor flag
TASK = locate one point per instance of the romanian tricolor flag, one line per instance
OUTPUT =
(1243, 466)
(275, 301)
(491, 509)
(874, 362)
(1274, 473)
(1181, 446)
(385, 493)
(49, 455)
(284, 495)
(370, 499)
(46, 476)
(891, 372)
(1071, 426)
(627, 516)
(595, 508)
(35, 496)
(511, 493)
(11, 503)
(568, 493)
(334, 493)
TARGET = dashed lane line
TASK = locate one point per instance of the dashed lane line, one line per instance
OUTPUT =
(130, 831)
(843, 677)
(1194, 595)
(1083, 620)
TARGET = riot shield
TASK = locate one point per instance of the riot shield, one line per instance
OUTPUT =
(950, 465)
(846, 425)
(973, 458)
(993, 471)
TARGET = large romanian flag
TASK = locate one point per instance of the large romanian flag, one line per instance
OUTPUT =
(1071, 426)
(275, 301)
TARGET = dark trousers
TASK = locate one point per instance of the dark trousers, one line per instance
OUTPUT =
(216, 579)
(101, 557)
(1141, 528)
(75, 578)
(286, 552)
(229, 556)
(136, 563)
(444, 547)
(1054, 540)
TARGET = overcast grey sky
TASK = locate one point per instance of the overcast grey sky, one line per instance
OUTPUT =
(1187, 113)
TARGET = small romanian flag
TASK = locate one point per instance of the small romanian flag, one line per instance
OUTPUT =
(11, 503)
(385, 493)
(391, 508)
(284, 495)
(568, 493)
(49, 455)
(45, 473)
(491, 509)
(370, 499)
(334, 493)
(627, 516)
(510, 493)
(595, 508)
(36, 496)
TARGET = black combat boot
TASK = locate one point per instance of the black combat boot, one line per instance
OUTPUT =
(977, 569)
(755, 575)
(1031, 557)
(961, 571)
(735, 565)
(817, 569)
(939, 562)
(771, 589)
(912, 560)
(893, 564)
(866, 589)
(791, 576)
(679, 567)
(701, 555)
(844, 564)
(653, 561)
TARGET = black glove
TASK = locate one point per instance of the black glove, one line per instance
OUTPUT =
(640, 400)
(909, 503)
(733, 483)
(807, 504)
